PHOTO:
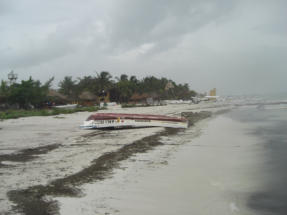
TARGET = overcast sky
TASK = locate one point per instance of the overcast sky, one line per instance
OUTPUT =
(237, 46)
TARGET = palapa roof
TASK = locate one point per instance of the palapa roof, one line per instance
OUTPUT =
(138, 97)
(54, 93)
(87, 95)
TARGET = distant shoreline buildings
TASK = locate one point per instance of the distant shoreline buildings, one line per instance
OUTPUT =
(212, 92)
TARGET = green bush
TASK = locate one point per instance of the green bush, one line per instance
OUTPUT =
(14, 114)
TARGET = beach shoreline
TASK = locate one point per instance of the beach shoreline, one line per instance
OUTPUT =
(45, 158)
(201, 170)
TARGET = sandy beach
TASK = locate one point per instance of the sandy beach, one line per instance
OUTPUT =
(198, 171)
(79, 81)
(50, 166)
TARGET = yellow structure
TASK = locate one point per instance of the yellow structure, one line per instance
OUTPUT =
(104, 97)
(107, 98)
(212, 92)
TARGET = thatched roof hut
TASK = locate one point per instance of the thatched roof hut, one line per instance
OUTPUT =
(55, 93)
(154, 95)
(150, 99)
(88, 99)
(139, 97)
(88, 96)
(57, 97)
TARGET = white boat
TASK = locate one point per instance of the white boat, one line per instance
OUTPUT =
(122, 120)
(68, 106)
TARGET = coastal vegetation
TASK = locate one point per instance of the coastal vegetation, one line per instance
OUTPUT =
(124, 89)
(24, 95)
(14, 114)
(33, 98)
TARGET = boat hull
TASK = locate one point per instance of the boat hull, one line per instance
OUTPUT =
(100, 121)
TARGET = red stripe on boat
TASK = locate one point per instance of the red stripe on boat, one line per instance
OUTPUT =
(109, 116)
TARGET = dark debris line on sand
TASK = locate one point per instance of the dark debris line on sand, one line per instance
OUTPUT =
(31, 200)
(27, 154)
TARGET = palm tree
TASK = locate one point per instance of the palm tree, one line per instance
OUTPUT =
(68, 87)
(103, 81)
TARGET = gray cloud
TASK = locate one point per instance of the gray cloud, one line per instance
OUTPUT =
(212, 43)
(161, 22)
(4, 7)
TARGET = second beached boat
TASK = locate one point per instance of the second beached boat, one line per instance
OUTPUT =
(122, 120)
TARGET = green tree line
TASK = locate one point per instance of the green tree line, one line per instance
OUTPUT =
(25, 95)
(124, 88)
(32, 93)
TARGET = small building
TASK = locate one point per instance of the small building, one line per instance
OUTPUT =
(56, 98)
(139, 98)
(212, 92)
(153, 99)
(212, 95)
(146, 99)
(88, 99)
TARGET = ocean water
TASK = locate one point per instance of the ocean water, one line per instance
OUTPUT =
(269, 123)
